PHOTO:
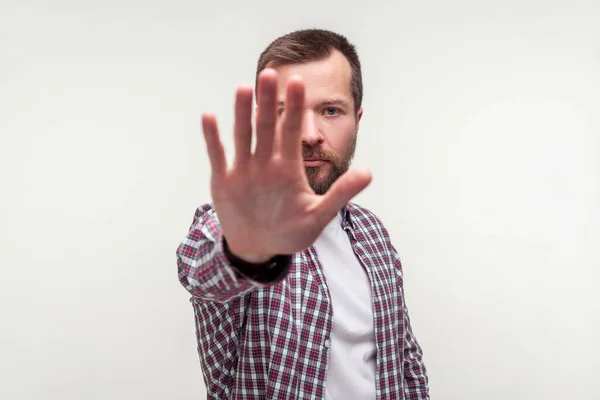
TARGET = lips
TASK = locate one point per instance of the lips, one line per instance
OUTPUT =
(314, 163)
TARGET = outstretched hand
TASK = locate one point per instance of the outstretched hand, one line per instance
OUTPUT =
(264, 201)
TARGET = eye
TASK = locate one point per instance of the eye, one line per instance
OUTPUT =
(280, 111)
(331, 111)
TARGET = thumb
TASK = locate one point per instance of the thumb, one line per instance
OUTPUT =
(342, 191)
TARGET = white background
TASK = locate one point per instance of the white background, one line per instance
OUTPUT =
(481, 128)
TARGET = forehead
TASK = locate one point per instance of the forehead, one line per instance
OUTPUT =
(324, 78)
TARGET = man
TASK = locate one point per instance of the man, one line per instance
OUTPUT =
(297, 292)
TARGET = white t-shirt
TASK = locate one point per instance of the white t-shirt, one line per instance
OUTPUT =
(352, 357)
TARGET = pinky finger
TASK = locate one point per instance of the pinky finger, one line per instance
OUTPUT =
(216, 152)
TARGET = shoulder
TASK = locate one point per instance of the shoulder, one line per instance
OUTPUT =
(363, 215)
(365, 219)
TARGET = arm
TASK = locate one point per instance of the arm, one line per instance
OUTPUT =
(416, 383)
(206, 270)
(265, 204)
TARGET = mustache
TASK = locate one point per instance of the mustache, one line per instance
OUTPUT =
(316, 152)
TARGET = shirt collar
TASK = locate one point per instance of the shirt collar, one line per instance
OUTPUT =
(347, 217)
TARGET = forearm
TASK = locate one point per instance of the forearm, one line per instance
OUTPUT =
(416, 383)
(207, 272)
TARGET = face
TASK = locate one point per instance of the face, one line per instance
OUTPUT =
(330, 120)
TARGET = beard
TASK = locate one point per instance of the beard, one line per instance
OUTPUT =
(321, 178)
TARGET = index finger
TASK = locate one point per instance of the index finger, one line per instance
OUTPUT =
(291, 128)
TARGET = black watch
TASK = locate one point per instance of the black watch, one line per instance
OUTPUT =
(270, 271)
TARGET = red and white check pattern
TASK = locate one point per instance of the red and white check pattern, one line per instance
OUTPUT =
(259, 341)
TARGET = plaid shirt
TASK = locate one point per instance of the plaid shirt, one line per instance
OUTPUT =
(270, 341)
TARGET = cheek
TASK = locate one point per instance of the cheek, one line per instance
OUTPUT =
(340, 134)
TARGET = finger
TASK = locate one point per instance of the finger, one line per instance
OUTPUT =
(243, 124)
(291, 130)
(216, 152)
(267, 113)
(341, 192)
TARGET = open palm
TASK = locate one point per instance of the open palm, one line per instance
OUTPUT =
(264, 202)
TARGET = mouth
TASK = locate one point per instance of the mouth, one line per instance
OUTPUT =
(314, 163)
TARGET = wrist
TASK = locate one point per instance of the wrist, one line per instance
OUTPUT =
(246, 257)
(252, 258)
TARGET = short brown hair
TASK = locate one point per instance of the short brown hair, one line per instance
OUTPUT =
(313, 45)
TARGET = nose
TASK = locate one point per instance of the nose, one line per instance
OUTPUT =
(311, 135)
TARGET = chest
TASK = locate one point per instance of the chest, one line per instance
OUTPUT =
(303, 306)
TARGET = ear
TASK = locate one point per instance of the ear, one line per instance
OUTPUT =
(359, 115)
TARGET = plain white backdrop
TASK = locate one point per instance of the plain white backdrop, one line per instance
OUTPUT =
(481, 128)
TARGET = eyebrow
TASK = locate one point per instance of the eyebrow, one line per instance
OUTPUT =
(329, 102)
